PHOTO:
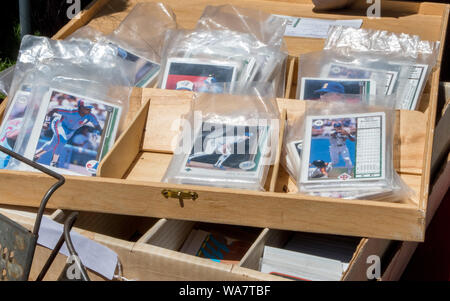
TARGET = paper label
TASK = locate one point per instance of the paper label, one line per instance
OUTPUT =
(313, 27)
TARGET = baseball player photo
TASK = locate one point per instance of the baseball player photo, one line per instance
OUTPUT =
(333, 152)
(224, 148)
(344, 148)
(234, 155)
(76, 136)
(337, 89)
(199, 75)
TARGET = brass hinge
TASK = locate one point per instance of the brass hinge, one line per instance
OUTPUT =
(180, 195)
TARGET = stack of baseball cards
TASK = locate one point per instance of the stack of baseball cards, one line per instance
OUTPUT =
(224, 155)
(345, 155)
(146, 70)
(337, 89)
(218, 62)
(70, 133)
(404, 79)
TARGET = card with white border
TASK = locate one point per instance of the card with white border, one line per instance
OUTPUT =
(199, 75)
(72, 132)
(344, 148)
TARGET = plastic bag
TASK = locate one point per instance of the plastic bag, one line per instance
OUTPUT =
(139, 37)
(265, 28)
(398, 64)
(6, 77)
(227, 141)
(229, 45)
(68, 100)
(293, 146)
(347, 152)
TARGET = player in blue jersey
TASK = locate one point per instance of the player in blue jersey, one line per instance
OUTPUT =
(64, 123)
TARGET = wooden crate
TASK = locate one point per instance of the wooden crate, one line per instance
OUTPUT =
(154, 254)
(131, 173)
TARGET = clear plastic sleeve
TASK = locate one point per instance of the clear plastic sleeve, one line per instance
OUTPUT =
(139, 37)
(227, 140)
(229, 45)
(347, 152)
(399, 64)
(67, 102)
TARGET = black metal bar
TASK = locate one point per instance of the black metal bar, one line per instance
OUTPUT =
(47, 196)
(25, 17)
(51, 258)
(68, 224)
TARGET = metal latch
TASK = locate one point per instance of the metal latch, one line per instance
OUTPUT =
(180, 195)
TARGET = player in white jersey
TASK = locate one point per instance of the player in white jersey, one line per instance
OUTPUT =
(339, 148)
(220, 145)
(64, 124)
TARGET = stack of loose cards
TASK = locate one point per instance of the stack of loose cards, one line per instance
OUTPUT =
(224, 155)
(71, 133)
(310, 257)
(343, 156)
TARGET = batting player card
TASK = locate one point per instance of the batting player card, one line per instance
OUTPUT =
(344, 148)
(199, 75)
(389, 77)
(337, 89)
(146, 70)
(72, 133)
(227, 151)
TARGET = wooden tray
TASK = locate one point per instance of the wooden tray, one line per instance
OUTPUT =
(130, 182)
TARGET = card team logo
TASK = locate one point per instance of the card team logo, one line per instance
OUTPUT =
(92, 166)
(318, 122)
(247, 165)
(344, 176)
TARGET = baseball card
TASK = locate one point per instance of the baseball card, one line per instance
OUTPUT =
(146, 70)
(344, 148)
(199, 75)
(346, 71)
(416, 75)
(227, 151)
(294, 149)
(73, 133)
(337, 89)
(12, 123)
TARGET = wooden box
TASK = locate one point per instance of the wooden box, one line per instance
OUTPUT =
(129, 181)
(148, 249)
